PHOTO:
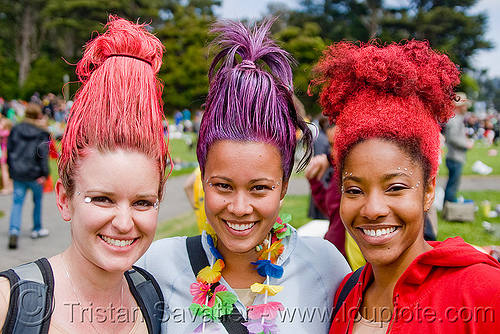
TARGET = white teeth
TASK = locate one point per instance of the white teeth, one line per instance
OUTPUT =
(379, 232)
(117, 243)
(240, 227)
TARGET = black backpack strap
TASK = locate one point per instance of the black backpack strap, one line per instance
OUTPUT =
(31, 298)
(233, 322)
(148, 295)
(346, 289)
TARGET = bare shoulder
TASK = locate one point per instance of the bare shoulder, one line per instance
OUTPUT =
(4, 299)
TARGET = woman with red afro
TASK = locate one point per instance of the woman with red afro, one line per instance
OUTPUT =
(112, 173)
(386, 102)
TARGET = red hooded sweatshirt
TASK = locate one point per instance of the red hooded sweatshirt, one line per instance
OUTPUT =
(452, 288)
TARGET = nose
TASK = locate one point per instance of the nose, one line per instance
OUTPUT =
(374, 206)
(240, 205)
(123, 220)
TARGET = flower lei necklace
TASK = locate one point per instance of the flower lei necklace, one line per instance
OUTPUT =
(212, 299)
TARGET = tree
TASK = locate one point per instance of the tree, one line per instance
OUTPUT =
(184, 33)
(48, 30)
(305, 45)
(446, 24)
(23, 32)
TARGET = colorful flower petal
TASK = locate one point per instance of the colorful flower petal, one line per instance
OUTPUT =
(210, 275)
(199, 291)
(267, 268)
(275, 250)
(218, 288)
(267, 311)
(213, 249)
(257, 326)
(262, 288)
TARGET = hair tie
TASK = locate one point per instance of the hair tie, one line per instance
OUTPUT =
(248, 64)
(130, 56)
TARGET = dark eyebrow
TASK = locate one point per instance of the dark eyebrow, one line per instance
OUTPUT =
(251, 181)
(393, 175)
(260, 180)
(220, 177)
(98, 192)
(385, 178)
(352, 178)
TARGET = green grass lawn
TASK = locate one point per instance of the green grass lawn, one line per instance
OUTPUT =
(297, 206)
(479, 152)
(183, 153)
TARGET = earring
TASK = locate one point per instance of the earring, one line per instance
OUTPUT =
(78, 193)
(156, 205)
(88, 199)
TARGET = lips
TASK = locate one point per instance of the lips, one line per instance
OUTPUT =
(117, 242)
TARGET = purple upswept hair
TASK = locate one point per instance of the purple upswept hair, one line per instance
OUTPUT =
(250, 96)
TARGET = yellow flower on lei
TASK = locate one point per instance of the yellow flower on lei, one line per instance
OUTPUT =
(262, 288)
(275, 250)
(211, 275)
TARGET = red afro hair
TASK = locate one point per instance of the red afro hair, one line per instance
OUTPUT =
(398, 92)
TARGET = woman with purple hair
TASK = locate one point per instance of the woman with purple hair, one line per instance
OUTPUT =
(254, 274)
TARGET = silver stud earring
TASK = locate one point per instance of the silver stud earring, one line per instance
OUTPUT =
(88, 199)
(273, 187)
(211, 184)
(399, 168)
(78, 193)
(156, 204)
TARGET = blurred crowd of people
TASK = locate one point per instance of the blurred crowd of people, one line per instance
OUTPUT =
(486, 128)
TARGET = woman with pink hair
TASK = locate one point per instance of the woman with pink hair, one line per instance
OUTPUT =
(112, 175)
(386, 102)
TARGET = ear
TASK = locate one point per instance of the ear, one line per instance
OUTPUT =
(284, 189)
(62, 201)
(429, 193)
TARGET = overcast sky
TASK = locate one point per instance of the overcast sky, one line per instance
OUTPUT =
(240, 9)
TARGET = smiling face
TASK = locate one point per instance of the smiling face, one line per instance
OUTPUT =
(112, 212)
(243, 188)
(383, 202)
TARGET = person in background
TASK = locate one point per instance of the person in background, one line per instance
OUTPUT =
(5, 128)
(322, 146)
(457, 144)
(112, 175)
(255, 266)
(328, 201)
(386, 102)
(27, 158)
(194, 192)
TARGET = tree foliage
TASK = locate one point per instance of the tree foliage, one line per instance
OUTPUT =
(41, 40)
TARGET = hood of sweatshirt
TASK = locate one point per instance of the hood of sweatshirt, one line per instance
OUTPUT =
(452, 252)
